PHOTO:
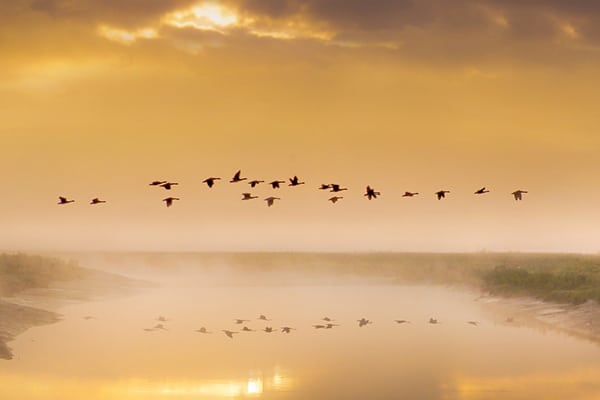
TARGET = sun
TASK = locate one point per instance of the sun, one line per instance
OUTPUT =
(210, 17)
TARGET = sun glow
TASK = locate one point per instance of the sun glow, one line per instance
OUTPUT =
(207, 17)
(124, 36)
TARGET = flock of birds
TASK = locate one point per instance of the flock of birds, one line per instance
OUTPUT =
(324, 323)
(370, 193)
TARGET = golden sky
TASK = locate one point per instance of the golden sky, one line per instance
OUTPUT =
(98, 98)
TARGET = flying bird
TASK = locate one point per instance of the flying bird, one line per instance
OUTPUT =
(210, 182)
(246, 329)
(336, 188)
(268, 329)
(275, 184)
(330, 325)
(203, 330)
(295, 182)
(97, 201)
(482, 191)
(363, 321)
(328, 319)
(519, 194)
(254, 183)
(248, 196)
(263, 318)
(287, 329)
(433, 321)
(441, 194)
(168, 185)
(410, 194)
(157, 183)
(229, 333)
(324, 186)
(335, 199)
(63, 200)
(371, 193)
(271, 200)
(474, 323)
(169, 201)
(237, 177)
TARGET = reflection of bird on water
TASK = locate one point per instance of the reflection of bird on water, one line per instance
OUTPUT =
(263, 318)
(319, 326)
(229, 333)
(268, 329)
(518, 194)
(246, 329)
(202, 330)
(287, 329)
(510, 319)
(474, 323)
(433, 321)
(88, 317)
(327, 319)
(161, 319)
(160, 326)
(330, 326)
(241, 321)
(363, 322)
(401, 321)
(149, 329)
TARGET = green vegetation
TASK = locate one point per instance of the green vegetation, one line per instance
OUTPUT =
(20, 271)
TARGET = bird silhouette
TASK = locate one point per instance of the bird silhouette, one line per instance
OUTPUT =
(237, 177)
(324, 186)
(337, 188)
(327, 319)
(441, 194)
(63, 200)
(330, 325)
(97, 201)
(295, 182)
(169, 201)
(263, 318)
(210, 182)
(401, 321)
(229, 333)
(275, 184)
(268, 329)
(160, 326)
(371, 193)
(241, 321)
(271, 200)
(246, 329)
(169, 185)
(161, 319)
(433, 321)
(518, 194)
(335, 199)
(254, 183)
(287, 329)
(482, 191)
(474, 323)
(319, 326)
(203, 330)
(363, 322)
(248, 196)
(410, 194)
(157, 183)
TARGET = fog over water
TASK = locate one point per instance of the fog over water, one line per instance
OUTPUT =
(112, 356)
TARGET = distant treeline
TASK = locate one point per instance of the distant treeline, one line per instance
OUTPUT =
(21, 271)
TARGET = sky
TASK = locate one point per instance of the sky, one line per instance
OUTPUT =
(97, 99)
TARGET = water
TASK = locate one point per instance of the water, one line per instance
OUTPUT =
(112, 357)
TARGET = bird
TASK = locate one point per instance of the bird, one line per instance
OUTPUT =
(324, 186)
(263, 317)
(254, 183)
(160, 326)
(319, 326)
(295, 182)
(330, 325)
(268, 329)
(433, 321)
(482, 191)
(371, 193)
(327, 319)
(63, 200)
(271, 200)
(168, 185)
(401, 321)
(97, 201)
(169, 201)
(241, 321)
(287, 329)
(248, 196)
(275, 184)
(203, 330)
(335, 199)
(157, 183)
(474, 323)
(161, 319)
(210, 181)
(229, 334)
(237, 177)
(246, 329)
(518, 194)
(336, 188)
(363, 321)
(441, 194)
(410, 194)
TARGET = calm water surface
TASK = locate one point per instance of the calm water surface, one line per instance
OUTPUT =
(112, 357)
